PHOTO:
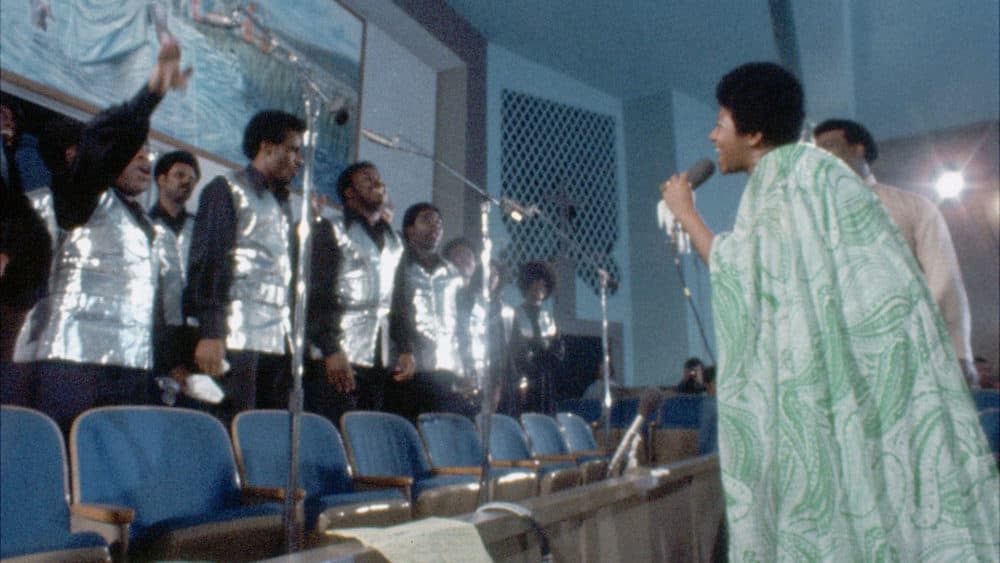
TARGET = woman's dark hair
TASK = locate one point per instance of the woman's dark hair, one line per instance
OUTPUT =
(765, 98)
(270, 125)
(533, 271)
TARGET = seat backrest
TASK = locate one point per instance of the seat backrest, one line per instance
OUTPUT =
(624, 411)
(681, 411)
(34, 509)
(451, 440)
(990, 419)
(986, 399)
(260, 441)
(587, 409)
(578, 434)
(543, 434)
(384, 444)
(507, 440)
(164, 462)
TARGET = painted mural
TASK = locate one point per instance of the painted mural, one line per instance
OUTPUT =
(247, 56)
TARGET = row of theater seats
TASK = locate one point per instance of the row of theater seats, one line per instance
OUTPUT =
(683, 426)
(171, 483)
(679, 426)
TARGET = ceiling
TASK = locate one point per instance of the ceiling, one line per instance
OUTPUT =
(900, 66)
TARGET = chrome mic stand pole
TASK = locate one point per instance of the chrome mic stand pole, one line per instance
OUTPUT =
(303, 231)
(486, 383)
(317, 88)
(606, 360)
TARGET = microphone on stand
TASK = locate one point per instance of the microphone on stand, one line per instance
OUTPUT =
(697, 174)
(374, 137)
(647, 405)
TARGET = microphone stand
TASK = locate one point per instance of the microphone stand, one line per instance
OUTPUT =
(316, 86)
(517, 212)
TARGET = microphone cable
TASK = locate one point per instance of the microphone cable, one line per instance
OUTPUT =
(690, 300)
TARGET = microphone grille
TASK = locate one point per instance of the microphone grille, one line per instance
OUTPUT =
(701, 171)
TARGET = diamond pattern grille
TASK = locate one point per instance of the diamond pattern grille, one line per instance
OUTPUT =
(561, 160)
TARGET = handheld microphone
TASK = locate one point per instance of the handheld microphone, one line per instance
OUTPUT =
(380, 139)
(697, 174)
(647, 405)
(700, 171)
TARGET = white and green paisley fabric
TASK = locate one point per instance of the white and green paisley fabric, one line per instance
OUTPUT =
(845, 429)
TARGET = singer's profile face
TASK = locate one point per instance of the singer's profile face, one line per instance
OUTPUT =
(286, 158)
(425, 232)
(732, 146)
(367, 191)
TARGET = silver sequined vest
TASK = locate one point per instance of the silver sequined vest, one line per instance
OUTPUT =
(258, 317)
(364, 290)
(100, 304)
(434, 296)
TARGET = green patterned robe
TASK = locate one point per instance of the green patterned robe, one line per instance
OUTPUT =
(846, 432)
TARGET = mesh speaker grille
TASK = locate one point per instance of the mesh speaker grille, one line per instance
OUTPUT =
(562, 160)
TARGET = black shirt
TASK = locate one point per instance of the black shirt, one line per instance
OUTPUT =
(107, 144)
(175, 224)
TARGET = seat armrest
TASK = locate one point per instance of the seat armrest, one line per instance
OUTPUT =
(527, 463)
(106, 513)
(257, 494)
(557, 457)
(384, 481)
(369, 482)
(112, 522)
(457, 470)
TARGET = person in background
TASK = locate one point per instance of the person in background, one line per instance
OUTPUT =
(91, 336)
(426, 296)
(240, 270)
(692, 379)
(922, 226)
(987, 380)
(840, 399)
(354, 261)
(535, 346)
(176, 174)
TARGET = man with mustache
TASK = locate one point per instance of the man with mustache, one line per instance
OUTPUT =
(176, 174)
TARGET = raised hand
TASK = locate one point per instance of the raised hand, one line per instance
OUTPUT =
(167, 73)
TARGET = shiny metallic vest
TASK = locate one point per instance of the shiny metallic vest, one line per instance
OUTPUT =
(100, 304)
(364, 290)
(173, 250)
(435, 304)
(171, 288)
(259, 313)
(182, 240)
(546, 324)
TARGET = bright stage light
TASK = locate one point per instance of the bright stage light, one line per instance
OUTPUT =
(950, 184)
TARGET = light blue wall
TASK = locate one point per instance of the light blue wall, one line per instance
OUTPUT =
(398, 98)
(659, 319)
(506, 70)
(666, 133)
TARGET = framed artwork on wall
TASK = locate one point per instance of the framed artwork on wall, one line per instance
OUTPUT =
(247, 56)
